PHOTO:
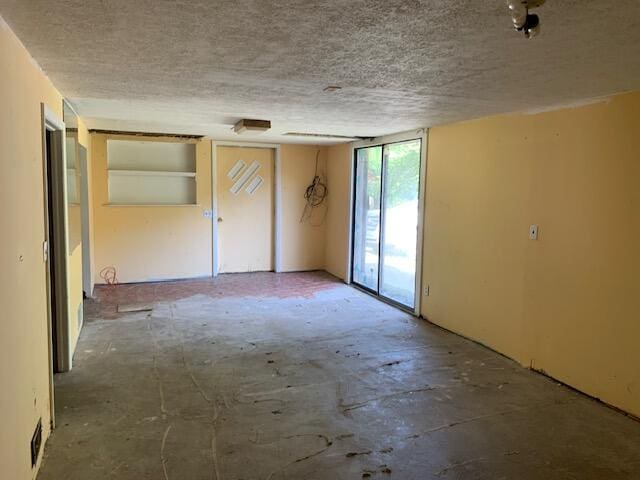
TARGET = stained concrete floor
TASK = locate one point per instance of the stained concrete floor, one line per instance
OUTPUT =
(241, 378)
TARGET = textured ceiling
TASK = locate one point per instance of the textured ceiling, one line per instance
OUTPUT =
(199, 66)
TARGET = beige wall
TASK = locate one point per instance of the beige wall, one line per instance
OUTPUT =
(24, 371)
(146, 243)
(302, 244)
(339, 158)
(568, 303)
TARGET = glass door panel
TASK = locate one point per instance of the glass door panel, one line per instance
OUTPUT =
(400, 221)
(366, 217)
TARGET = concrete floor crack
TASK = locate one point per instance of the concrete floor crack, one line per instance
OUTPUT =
(453, 466)
(483, 417)
(156, 371)
(187, 367)
(163, 459)
(328, 444)
(354, 406)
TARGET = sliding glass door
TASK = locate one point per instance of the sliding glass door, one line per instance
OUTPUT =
(385, 220)
(366, 218)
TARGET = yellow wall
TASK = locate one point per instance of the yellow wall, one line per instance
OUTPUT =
(302, 244)
(568, 303)
(339, 158)
(24, 371)
(146, 243)
(155, 243)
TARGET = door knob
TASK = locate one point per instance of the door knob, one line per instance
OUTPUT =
(220, 219)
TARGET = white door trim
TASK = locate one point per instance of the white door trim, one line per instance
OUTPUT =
(277, 201)
(87, 277)
(352, 163)
(394, 138)
(421, 219)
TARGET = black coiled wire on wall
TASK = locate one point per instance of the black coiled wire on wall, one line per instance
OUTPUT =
(314, 196)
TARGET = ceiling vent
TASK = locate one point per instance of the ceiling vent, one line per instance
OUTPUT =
(251, 126)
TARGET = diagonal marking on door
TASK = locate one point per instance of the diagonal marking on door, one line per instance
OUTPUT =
(236, 169)
(244, 178)
(254, 185)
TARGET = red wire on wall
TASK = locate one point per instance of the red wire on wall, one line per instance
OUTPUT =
(108, 274)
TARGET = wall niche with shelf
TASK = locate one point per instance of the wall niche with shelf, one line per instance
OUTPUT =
(151, 173)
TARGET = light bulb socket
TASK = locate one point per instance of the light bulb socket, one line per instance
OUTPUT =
(533, 21)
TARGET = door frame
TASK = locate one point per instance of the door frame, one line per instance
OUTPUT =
(277, 201)
(87, 277)
(422, 135)
(57, 211)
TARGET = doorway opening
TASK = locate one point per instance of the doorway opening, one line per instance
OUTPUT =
(87, 283)
(55, 247)
(385, 220)
(245, 213)
(51, 259)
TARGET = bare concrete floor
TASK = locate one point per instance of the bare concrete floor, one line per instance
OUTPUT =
(332, 385)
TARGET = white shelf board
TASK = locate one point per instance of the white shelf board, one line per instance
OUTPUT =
(150, 173)
(151, 205)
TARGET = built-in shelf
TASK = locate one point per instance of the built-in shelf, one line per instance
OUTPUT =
(151, 173)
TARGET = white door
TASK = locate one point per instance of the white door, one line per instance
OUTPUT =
(245, 209)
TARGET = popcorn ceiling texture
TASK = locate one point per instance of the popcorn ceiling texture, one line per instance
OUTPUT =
(199, 66)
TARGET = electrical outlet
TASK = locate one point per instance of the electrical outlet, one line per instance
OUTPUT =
(207, 214)
(533, 232)
(426, 291)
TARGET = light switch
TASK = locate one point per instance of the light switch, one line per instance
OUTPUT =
(533, 232)
(208, 214)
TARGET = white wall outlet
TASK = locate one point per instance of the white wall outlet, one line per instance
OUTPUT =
(533, 232)
(426, 291)
(207, 214)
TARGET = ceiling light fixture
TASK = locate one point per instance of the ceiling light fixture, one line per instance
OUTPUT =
(523, 21)
(252, 126)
